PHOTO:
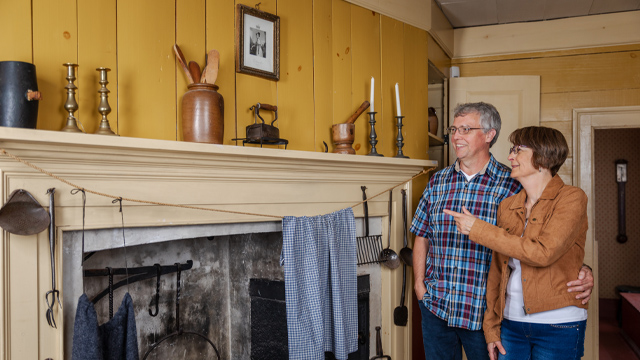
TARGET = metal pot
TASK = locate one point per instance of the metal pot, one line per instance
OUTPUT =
(19, 94)
(23, 214)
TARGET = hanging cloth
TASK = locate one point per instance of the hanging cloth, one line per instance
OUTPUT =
(321, 291)
(113, 340)
(116, 339)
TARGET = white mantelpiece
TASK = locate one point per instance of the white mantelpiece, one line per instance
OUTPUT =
(245, 179)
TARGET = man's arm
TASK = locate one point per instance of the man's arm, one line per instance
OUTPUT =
(584, 284)
(420, 249)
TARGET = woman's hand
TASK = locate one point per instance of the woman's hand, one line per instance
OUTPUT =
(464, 221)
(493, 349)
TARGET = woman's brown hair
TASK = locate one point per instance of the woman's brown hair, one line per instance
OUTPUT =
(549, 146)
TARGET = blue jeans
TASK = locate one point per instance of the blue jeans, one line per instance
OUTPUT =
(443, 342)
(524, 341)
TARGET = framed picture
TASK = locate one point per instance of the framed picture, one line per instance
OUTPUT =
(257, 43)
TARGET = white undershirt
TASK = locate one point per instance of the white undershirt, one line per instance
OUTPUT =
(469, 177)
(514, 303)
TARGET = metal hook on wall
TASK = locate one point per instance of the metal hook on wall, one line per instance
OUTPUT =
(158, 275)
(258, 6)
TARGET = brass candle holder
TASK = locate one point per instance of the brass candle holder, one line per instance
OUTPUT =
(71, 105)
(103, 108)
(400, 139)
(373, 137)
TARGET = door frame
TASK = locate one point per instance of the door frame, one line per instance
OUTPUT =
(585, 121)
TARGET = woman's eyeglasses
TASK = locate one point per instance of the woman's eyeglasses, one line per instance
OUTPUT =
(463, 130)
(516, 149)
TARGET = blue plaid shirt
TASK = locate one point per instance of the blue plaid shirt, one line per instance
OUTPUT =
(456, 268)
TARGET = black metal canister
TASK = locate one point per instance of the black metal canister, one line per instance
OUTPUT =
(18, 94)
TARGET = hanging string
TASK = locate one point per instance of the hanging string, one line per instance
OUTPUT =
(124, 242)
(423, 172)
(120, 198)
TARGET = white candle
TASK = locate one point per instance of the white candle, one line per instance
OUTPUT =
(371, 97)
(398, 100)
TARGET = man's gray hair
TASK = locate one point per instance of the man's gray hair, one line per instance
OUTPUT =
(489, 116)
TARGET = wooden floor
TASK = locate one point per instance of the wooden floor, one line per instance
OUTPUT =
(612, 344)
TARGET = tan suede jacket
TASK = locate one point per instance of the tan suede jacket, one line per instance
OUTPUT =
(551, 250)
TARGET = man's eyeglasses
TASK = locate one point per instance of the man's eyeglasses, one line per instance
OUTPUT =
(516, 149)
(463, 130)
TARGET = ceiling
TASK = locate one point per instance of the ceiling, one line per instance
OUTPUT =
(467, 13)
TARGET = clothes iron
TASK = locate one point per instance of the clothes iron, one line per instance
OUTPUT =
(259, 131)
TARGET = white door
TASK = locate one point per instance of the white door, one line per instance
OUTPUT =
(517, 99)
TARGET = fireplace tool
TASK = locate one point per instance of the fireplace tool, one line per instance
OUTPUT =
(179, 330)
(369, 246)
(54, 293)
(261, 132)
(388, 257)
(379, 352)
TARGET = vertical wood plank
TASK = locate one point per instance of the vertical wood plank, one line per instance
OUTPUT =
(23, 298)
(191, 37)
(392, 72)
(365, 32)
(97, 47)
(147, 69)
(323, 72)
(295, 88)
(252, 89)
(342, 60)
(416, 79)
(220, 35)
(55, 42)
(15, 31)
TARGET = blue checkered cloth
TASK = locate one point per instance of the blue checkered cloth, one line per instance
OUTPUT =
(457, 268)
(319, 255)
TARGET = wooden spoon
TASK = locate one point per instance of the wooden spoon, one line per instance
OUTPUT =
(183, 62)
(194, 70)
(210, 73)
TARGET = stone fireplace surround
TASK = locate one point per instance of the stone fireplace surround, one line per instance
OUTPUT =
(245, 179)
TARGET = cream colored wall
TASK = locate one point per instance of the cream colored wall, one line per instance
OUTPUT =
(329, 51)
(595, 77)
(582, 62)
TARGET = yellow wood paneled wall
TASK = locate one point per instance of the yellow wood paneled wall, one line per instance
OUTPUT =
(598, 77)
(329, 51)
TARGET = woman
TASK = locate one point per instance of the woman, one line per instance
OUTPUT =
(538, 247)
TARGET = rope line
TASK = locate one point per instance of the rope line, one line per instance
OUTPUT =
(149, 202)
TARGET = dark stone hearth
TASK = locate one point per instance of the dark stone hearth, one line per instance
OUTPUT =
(269, 320)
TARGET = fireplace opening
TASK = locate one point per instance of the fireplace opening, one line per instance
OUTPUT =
(217, 293)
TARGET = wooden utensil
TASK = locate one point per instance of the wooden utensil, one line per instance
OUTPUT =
(194, 70)
(210, 73)
(360, 110)
(183, 62)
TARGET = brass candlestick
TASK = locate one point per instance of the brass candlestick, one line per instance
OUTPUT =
(400, 139)
(71, 105)
(372, 135)
(104, 108)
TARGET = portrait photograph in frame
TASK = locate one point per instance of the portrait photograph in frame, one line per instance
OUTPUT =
(257, 43)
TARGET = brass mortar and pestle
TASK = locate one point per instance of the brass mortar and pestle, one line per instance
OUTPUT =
(343, 134)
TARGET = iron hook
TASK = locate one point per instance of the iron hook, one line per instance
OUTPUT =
(158, 274)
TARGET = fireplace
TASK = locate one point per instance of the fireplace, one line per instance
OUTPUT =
(235, 277)
(269, 182)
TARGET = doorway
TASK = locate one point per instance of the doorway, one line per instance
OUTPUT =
(618, 275)
(592, 174)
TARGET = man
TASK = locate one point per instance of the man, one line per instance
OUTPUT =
(450, 283)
